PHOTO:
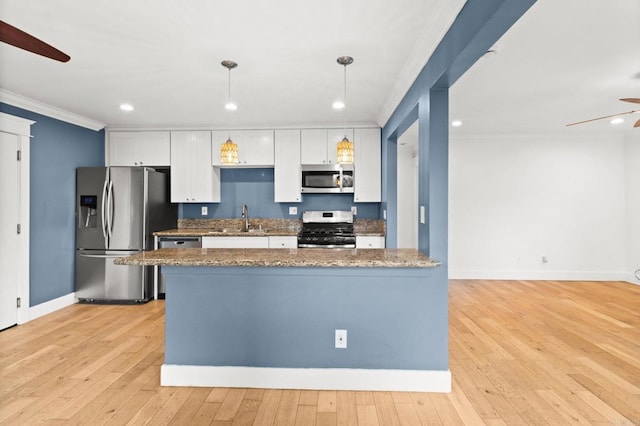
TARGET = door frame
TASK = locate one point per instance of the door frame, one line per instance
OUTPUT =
(22, 128)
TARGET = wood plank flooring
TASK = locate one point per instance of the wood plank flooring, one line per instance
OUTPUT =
(521, 352)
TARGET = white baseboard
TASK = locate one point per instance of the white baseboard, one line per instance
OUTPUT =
(631, 279)
(306, 378)
(470, 274)
(52, 305)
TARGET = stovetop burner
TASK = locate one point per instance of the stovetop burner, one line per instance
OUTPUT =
(327, 229)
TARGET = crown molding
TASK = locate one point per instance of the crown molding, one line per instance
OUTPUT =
(436, 28)
(33, 105)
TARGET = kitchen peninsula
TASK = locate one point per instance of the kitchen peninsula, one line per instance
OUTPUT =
(268, 318)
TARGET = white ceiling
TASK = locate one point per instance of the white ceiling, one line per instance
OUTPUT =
(164, 58)
(562, 62)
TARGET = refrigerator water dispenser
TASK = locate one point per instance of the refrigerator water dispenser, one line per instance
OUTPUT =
(88, 215)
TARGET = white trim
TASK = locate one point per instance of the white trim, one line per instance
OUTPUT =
(631, 279)
(52, 306)
(435, 30)
(22, 129)
(470, 274)
(306, 378)
(48, 110)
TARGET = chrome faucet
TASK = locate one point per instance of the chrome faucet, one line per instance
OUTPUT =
(245, 215)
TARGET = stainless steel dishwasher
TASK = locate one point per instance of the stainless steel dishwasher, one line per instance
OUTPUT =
(175, 242)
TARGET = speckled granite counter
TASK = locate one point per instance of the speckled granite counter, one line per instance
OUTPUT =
(274, 227)
(341, 258)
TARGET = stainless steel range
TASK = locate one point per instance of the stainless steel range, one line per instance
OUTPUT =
(327, 229)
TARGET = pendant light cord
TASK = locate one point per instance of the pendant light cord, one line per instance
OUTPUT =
(345, 100)
(228, 102)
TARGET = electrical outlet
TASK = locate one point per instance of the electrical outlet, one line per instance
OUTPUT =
(341, 339)
(293, 210)
(423, 218)
(354, 210)
(204, 210)
(384, 214)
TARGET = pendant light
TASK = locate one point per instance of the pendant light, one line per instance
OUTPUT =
(345, 146)
(229, 150)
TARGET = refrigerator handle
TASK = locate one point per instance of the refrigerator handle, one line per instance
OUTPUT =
(104, 213)
(110, 210)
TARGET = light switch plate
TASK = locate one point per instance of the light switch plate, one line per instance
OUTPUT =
(293, 210)
(422, 215)
(204, 210)
(354, 210)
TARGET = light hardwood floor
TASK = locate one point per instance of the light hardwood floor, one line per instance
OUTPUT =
(521, 352)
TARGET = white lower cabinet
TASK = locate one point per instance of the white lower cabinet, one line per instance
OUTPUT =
(369, 241)
(235, 242)
(283, 242)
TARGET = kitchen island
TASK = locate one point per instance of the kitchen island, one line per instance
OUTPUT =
(267, 318)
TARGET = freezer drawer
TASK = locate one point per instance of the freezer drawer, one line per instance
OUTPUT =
(98, 280)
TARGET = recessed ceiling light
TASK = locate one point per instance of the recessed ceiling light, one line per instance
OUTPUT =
(456, 123)
(338, 105)
(231, 106)
(617, 120)
(126, 107)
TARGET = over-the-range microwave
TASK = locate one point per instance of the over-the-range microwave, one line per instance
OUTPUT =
(336, 178)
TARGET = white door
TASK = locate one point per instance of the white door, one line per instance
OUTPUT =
(9, 244)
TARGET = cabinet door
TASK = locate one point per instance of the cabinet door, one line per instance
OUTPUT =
(180, 168)
(256, 148)
(122, 149)
(193, 178)
(153, 149)
(313, 146)
(139, 149)
(333, 137)
(235, 242)
(283, 242)
(369, 241)
(287, 172)
(367, 163)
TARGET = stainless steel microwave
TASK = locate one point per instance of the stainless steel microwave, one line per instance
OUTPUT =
(337, 178)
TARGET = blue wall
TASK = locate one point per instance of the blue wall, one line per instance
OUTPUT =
(254, 187)
(56, 149)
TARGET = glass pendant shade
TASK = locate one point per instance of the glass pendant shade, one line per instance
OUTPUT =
(229, 152)
(345, 151)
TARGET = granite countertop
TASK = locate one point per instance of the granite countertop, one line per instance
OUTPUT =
(274, 227)
(224, 232)
(345, 258)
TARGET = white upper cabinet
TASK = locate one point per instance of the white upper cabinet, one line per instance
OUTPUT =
(287, 172)
(139, 149)
(318, 146)
(367, 164)
(193, 178)
(255, 147)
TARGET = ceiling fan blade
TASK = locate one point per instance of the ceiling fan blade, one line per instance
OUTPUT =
(633, 100)
(637, 124)
(602, 118)
(18, 38)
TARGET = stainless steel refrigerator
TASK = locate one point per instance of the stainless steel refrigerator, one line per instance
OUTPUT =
(117, 211)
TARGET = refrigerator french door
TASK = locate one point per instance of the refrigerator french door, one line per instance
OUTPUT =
(118, 209)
